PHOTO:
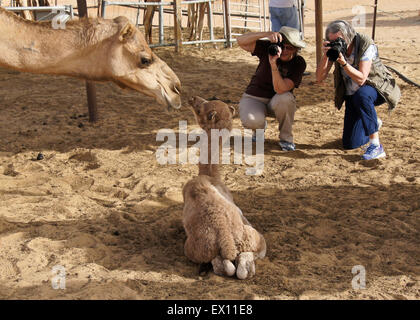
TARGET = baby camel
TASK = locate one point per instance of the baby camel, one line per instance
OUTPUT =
(216, 229)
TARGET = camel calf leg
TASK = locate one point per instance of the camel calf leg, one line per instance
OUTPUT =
(245, 265)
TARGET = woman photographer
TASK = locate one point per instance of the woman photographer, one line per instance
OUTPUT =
(270, 90)
(362, 82)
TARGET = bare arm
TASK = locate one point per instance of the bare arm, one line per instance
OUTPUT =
(247, 41)
(280, 84)
(324, 66)
(358, 76)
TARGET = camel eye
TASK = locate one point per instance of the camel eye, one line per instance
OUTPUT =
(145, 62)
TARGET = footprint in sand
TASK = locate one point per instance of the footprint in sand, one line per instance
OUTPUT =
(10, 171)
(80, 183)
(88, 157)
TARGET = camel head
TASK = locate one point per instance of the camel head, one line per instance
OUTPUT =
(213, 114)
(135, 66)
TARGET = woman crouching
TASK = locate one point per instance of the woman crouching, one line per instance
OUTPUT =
(362, 82)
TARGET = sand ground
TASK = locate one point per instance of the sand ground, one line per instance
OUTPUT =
(101, 206)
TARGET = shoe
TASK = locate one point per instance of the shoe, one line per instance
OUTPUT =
(379, 124)
(374, 152)
(287, 146)
(254, 135)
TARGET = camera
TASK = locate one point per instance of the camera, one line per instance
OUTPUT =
(337, 46)
(273, 49)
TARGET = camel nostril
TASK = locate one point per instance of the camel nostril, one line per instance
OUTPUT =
(177, 89)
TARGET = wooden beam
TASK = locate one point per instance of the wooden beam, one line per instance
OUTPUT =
(227, 16)
(177, 25)
(90, 86)
(319, 30)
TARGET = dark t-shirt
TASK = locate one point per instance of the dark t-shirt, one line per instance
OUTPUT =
(261, 84)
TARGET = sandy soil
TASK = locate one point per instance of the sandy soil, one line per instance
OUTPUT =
(101, 206)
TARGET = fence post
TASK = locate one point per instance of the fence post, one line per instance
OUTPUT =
(103, 8)
(177, 25)
(227, 17)
(90, 86)
(210, 21)
(319, 30)
(161, 26)
(374, 19)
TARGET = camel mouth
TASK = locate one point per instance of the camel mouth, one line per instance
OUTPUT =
(171, 103)
(170, 106)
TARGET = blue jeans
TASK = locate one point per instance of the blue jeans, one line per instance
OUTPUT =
(360, 119)
(284, 17)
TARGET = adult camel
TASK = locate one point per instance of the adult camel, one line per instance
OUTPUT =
(92, 49)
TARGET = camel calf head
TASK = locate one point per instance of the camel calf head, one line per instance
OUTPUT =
(134, 65)
(213, 114)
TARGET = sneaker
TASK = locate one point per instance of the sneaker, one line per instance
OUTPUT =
(287, 146)
(254, 135)
(379, 124)
(374, 152)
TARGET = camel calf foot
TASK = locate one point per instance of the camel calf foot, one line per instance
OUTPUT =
(223, 267)
(245, 265)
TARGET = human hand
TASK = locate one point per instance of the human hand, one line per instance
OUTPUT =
(324, 47)
(273, 59)
(341, 60)
(274, 37)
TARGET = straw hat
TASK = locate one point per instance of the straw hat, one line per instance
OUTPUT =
(292, 35)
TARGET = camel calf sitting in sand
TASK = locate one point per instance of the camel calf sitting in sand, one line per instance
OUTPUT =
(216, 229)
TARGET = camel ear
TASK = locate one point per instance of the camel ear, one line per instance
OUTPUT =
(126, 33)
(212, 116)
(232, 110)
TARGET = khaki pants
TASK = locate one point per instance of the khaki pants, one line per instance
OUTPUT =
(253, 110)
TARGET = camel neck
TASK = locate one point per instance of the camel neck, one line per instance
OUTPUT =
(211, 170)
(208, 168)
(36, 47)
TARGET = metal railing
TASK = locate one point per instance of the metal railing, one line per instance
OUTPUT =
(53, 11)
(172, 11)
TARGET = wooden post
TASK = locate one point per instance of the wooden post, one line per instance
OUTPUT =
(374, 19)
(177, 25)
(319, 30)
(90, 86)
(227, 16)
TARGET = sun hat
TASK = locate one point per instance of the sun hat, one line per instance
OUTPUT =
(292, 36)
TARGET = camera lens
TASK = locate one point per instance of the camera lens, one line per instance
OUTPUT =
(337, 46)
(273, 49)
(333, 54)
